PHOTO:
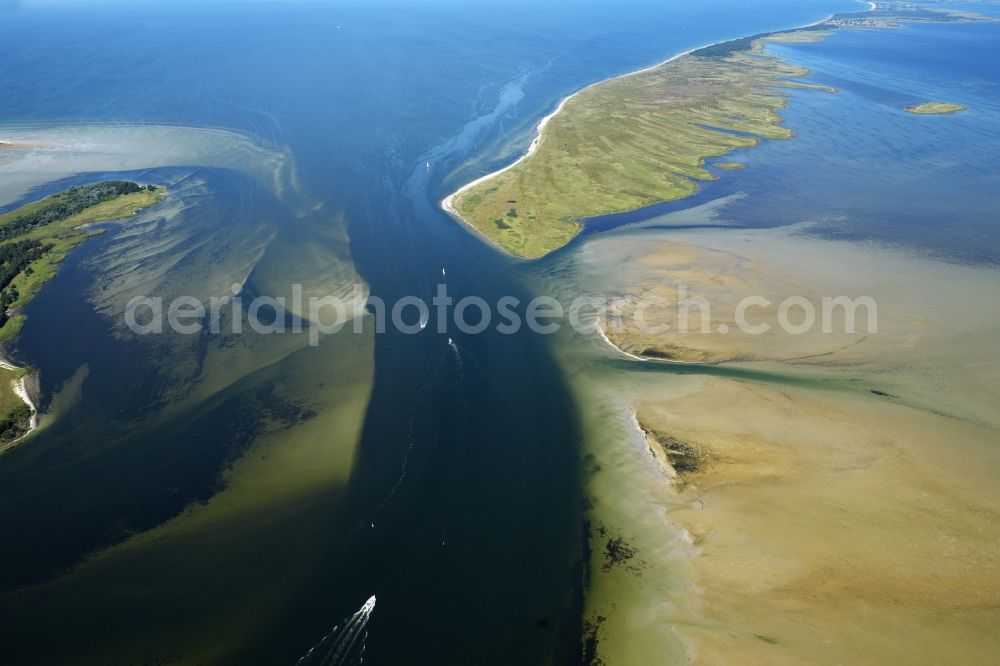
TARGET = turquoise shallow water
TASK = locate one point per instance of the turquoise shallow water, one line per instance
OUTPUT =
(475, 555)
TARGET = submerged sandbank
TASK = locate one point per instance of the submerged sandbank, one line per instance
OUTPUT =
(794, 508)
(32, 155)
(830, 527)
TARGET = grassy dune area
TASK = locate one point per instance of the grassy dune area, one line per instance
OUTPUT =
(630, 142)
(34, 239)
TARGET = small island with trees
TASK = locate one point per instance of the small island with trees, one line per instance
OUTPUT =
(34, 239)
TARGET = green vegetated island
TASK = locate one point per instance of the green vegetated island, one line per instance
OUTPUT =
(643, 138)
(34, 239)
(935, 108)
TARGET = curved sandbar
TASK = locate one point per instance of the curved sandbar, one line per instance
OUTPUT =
(935, 108)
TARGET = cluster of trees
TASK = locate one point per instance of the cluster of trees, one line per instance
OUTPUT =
(70, 202)
(14, 258)
(733, 46)
(724, 49)
(15, 423)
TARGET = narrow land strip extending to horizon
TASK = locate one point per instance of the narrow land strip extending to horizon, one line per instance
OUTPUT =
(643, 138)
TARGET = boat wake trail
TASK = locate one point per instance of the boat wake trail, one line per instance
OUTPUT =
(458, 356)
(344, 645)
(369, 518)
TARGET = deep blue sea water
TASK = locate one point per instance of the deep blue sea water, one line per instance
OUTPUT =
(362, 95)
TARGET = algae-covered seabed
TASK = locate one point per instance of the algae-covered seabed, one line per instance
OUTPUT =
(271, 422)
